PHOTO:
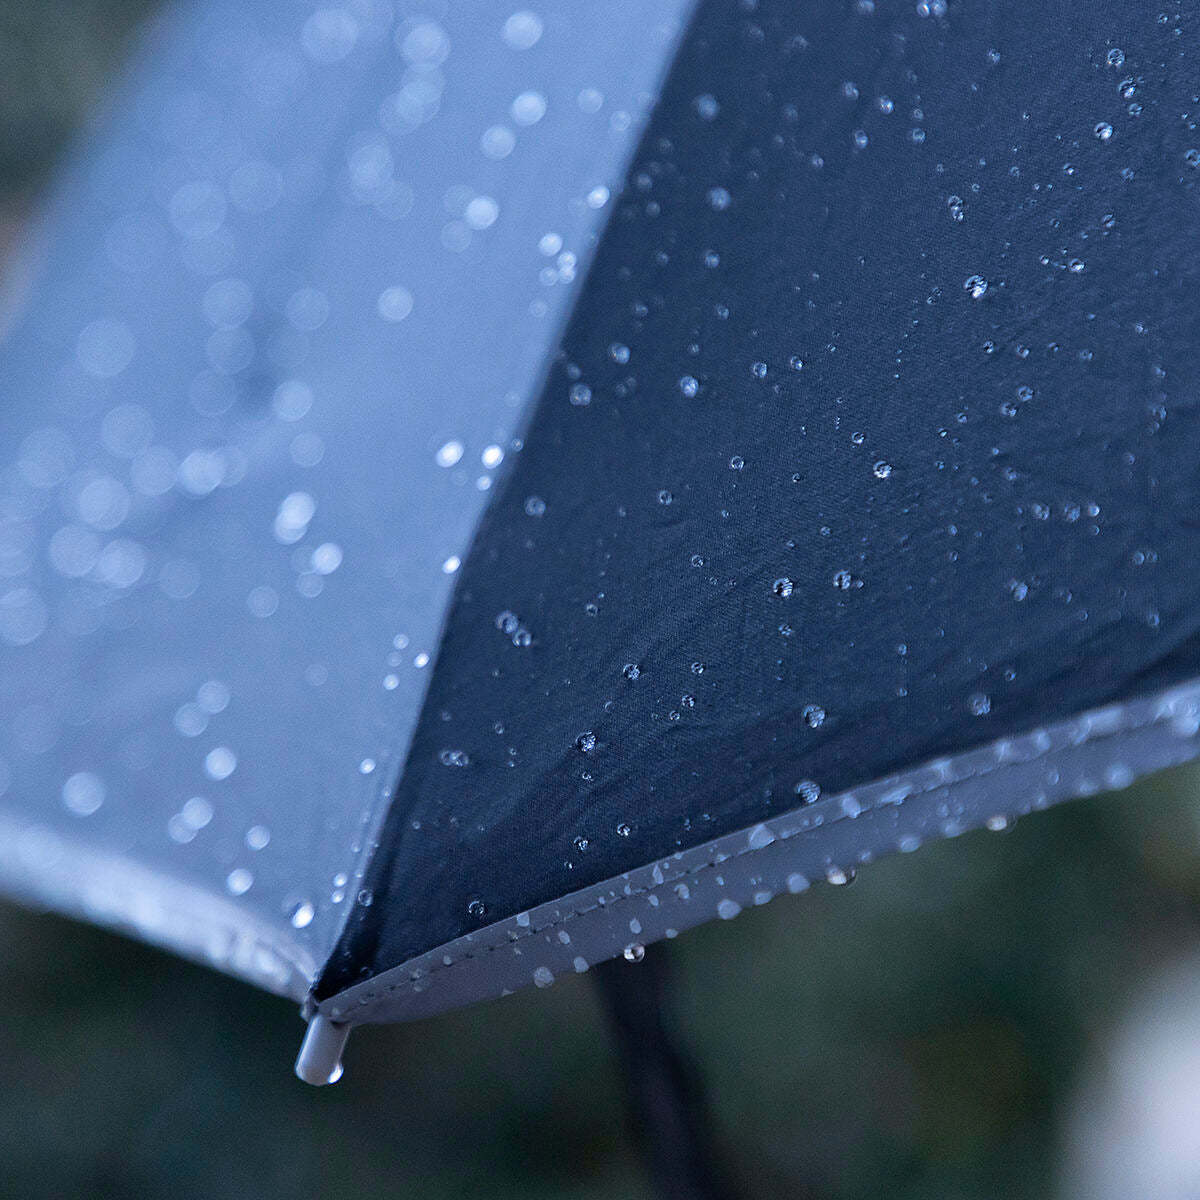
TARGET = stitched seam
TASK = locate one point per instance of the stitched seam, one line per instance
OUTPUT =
(985, 769)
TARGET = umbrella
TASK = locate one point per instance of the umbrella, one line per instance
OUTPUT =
(489, 491)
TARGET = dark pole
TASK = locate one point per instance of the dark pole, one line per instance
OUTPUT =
(671, 1124)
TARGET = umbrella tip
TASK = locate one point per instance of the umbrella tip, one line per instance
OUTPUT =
(320, 1059)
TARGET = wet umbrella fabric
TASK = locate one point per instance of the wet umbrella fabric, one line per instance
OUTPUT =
(854, 511)
(286, 314)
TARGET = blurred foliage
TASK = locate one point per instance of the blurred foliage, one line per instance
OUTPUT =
(915, 1036)
(56, 57)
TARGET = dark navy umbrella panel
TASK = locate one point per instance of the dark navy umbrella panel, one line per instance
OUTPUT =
(872, 441)
(364, 631)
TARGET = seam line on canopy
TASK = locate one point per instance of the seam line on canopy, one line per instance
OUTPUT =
(1100, 724)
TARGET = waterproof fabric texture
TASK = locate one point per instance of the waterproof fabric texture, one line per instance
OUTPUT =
(288, 309)
(873, 439)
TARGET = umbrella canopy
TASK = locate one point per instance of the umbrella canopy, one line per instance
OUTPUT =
(396, 618)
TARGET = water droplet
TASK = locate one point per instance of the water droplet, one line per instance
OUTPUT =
(706, 107)
(83, 793)
(302, 915)
(782, 587)
(585, 743)
(808, 791)
(528, 108)
(619, 353)
(1192, 157)
(395, 303)
(719, 199)
(624, 829)
(840, 877)
(728, 909)
(882, 470)
(760, 838)
(631, 670)
(813, 715)
(843, 580)
(976, 286)
(665, 497)
(477, 908)
(581, 844)
(1116, 57)
(239, 881)
(737, 463)
(543, 977)
(697, 668)
(219, 763)
(262, 602)
(454, 758)
(535, 506)
(522, 30)
(759, 369)
(689, 385)
(980, 704)
(634, 952)
(191, 720)
(213, 697)
(1103, 130)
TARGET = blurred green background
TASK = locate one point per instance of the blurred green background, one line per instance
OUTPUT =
(952, 1027)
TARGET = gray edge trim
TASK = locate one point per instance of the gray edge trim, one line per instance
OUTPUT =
(45, 869)
(1106, 748)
